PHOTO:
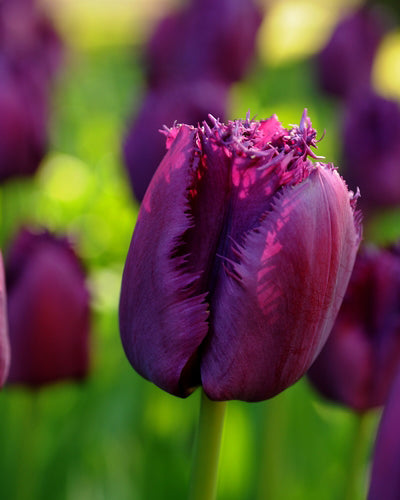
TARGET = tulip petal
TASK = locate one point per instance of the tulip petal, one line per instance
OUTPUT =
(271, 312)
(385, 477)
(4, 344)
(163, 312)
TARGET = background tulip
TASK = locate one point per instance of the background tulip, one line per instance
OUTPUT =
(358, 363)
(192, 43)
(48, 310)
(371, 151)
(30, 54)
(344, 65)
(239, 261)
(4, 344)
(385, 478)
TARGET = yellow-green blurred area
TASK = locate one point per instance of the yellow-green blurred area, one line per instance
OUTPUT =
(116, 436)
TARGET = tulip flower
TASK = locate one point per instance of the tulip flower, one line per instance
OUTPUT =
(207, 39)
(385, 477)
(30, 53)
(28, 38)
(344, 65)
(23, 117)
(359, 361)
(371, 150)
(241, 255)
(48, 310)
(144, 146)
(4, 344)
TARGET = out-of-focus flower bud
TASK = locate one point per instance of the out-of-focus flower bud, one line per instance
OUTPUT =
(344, 65)
(48, 310)
(212, 39)
(371, 149)
(358, 363)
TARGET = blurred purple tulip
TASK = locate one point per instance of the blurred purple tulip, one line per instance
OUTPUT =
(385, 477)
(371, 149)
(23, 117)
(344, 65)
(28, 39)
(30, 53)
(207, 39)
(48, 310)
(144, 146)
(239, 261)
(4, 343)
(358, 363)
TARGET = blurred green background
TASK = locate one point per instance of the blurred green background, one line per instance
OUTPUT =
(116, 436)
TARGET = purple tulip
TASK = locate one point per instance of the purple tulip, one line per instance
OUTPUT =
(144, 146)
(371, 149)
(213, 39)
(4, 343)
(30, 53)
(344, 65)
(48, 310)
(27, 38)
(23, 116)
(358, 363)
(240, 257)
(385, 477)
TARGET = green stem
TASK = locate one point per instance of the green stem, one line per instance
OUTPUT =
(270, 482)
(206, 454)
(357, 456)
(27, 460)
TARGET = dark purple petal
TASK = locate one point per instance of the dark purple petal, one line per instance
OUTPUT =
(163, 312)
(358, 363)
(4, 343)
(271, 320)
(48, 311)
(385, 477)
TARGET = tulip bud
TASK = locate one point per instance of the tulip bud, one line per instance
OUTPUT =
(240, 257)
(30, 52)
(48, 310)
(358, 363)
(23, 116)
(371, 149)
(4, 344)
(385, 478)
(207, 39)
(344, 65)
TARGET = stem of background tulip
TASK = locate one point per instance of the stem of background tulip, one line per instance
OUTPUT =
(206, 453)
(357, 456)
(26, 484)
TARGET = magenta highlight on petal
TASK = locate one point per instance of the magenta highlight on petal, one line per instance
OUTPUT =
(239, 260)
(48, 310)
(359, 361)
